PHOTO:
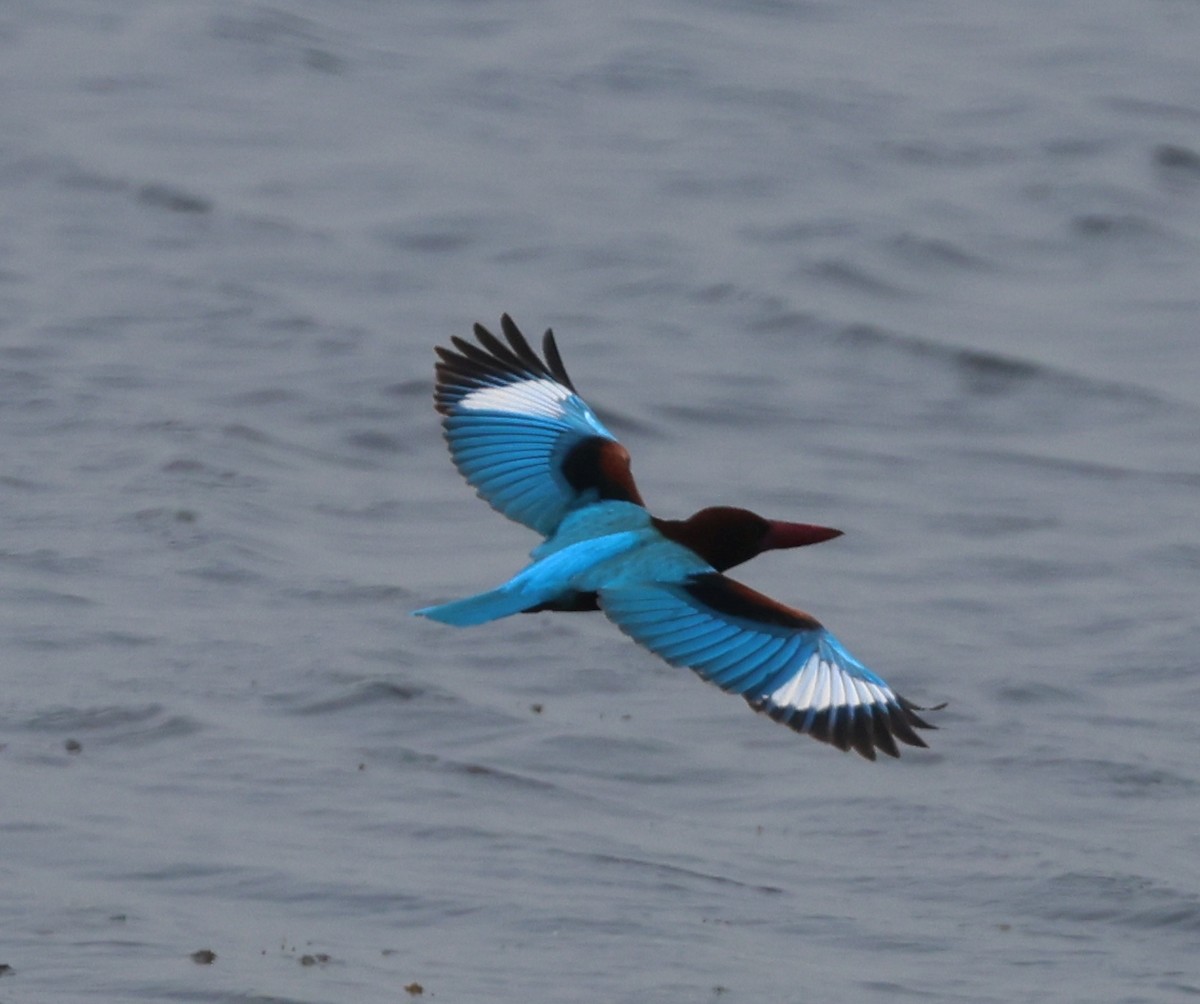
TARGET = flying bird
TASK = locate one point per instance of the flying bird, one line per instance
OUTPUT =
(532, 448)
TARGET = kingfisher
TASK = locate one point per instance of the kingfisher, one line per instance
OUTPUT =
(532, 448)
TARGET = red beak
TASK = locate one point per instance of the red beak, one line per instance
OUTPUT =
(796, 535)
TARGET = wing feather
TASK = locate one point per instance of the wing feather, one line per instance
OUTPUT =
(520, 434)
(783, 662)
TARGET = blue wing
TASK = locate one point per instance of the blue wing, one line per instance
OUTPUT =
(519, 433)
(782, 661)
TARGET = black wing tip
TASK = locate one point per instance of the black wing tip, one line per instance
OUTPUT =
(861, 733)
(468, 365)
(554, 360)
(915, 720)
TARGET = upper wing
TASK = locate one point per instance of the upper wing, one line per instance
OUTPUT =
(520, 434)
(782, 661)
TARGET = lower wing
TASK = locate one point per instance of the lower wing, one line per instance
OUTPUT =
(782, 661)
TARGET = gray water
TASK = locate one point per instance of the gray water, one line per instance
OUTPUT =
(928, 272)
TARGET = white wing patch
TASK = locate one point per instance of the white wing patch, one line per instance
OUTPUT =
(820, 684)
(541, 397)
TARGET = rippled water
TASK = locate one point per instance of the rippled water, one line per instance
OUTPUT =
(926, 273)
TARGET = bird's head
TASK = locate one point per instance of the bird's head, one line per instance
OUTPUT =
(725, 536)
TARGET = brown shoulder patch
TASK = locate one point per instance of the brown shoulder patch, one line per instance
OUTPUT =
(729, 597)
(603, 465)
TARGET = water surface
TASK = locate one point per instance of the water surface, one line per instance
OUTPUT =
(927, 274)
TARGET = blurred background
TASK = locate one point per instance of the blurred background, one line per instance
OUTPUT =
(928, 272)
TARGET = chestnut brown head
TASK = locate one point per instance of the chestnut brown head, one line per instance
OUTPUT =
(725, 536)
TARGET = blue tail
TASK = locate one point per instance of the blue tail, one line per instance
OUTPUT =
(557, 573)
(481, 608)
